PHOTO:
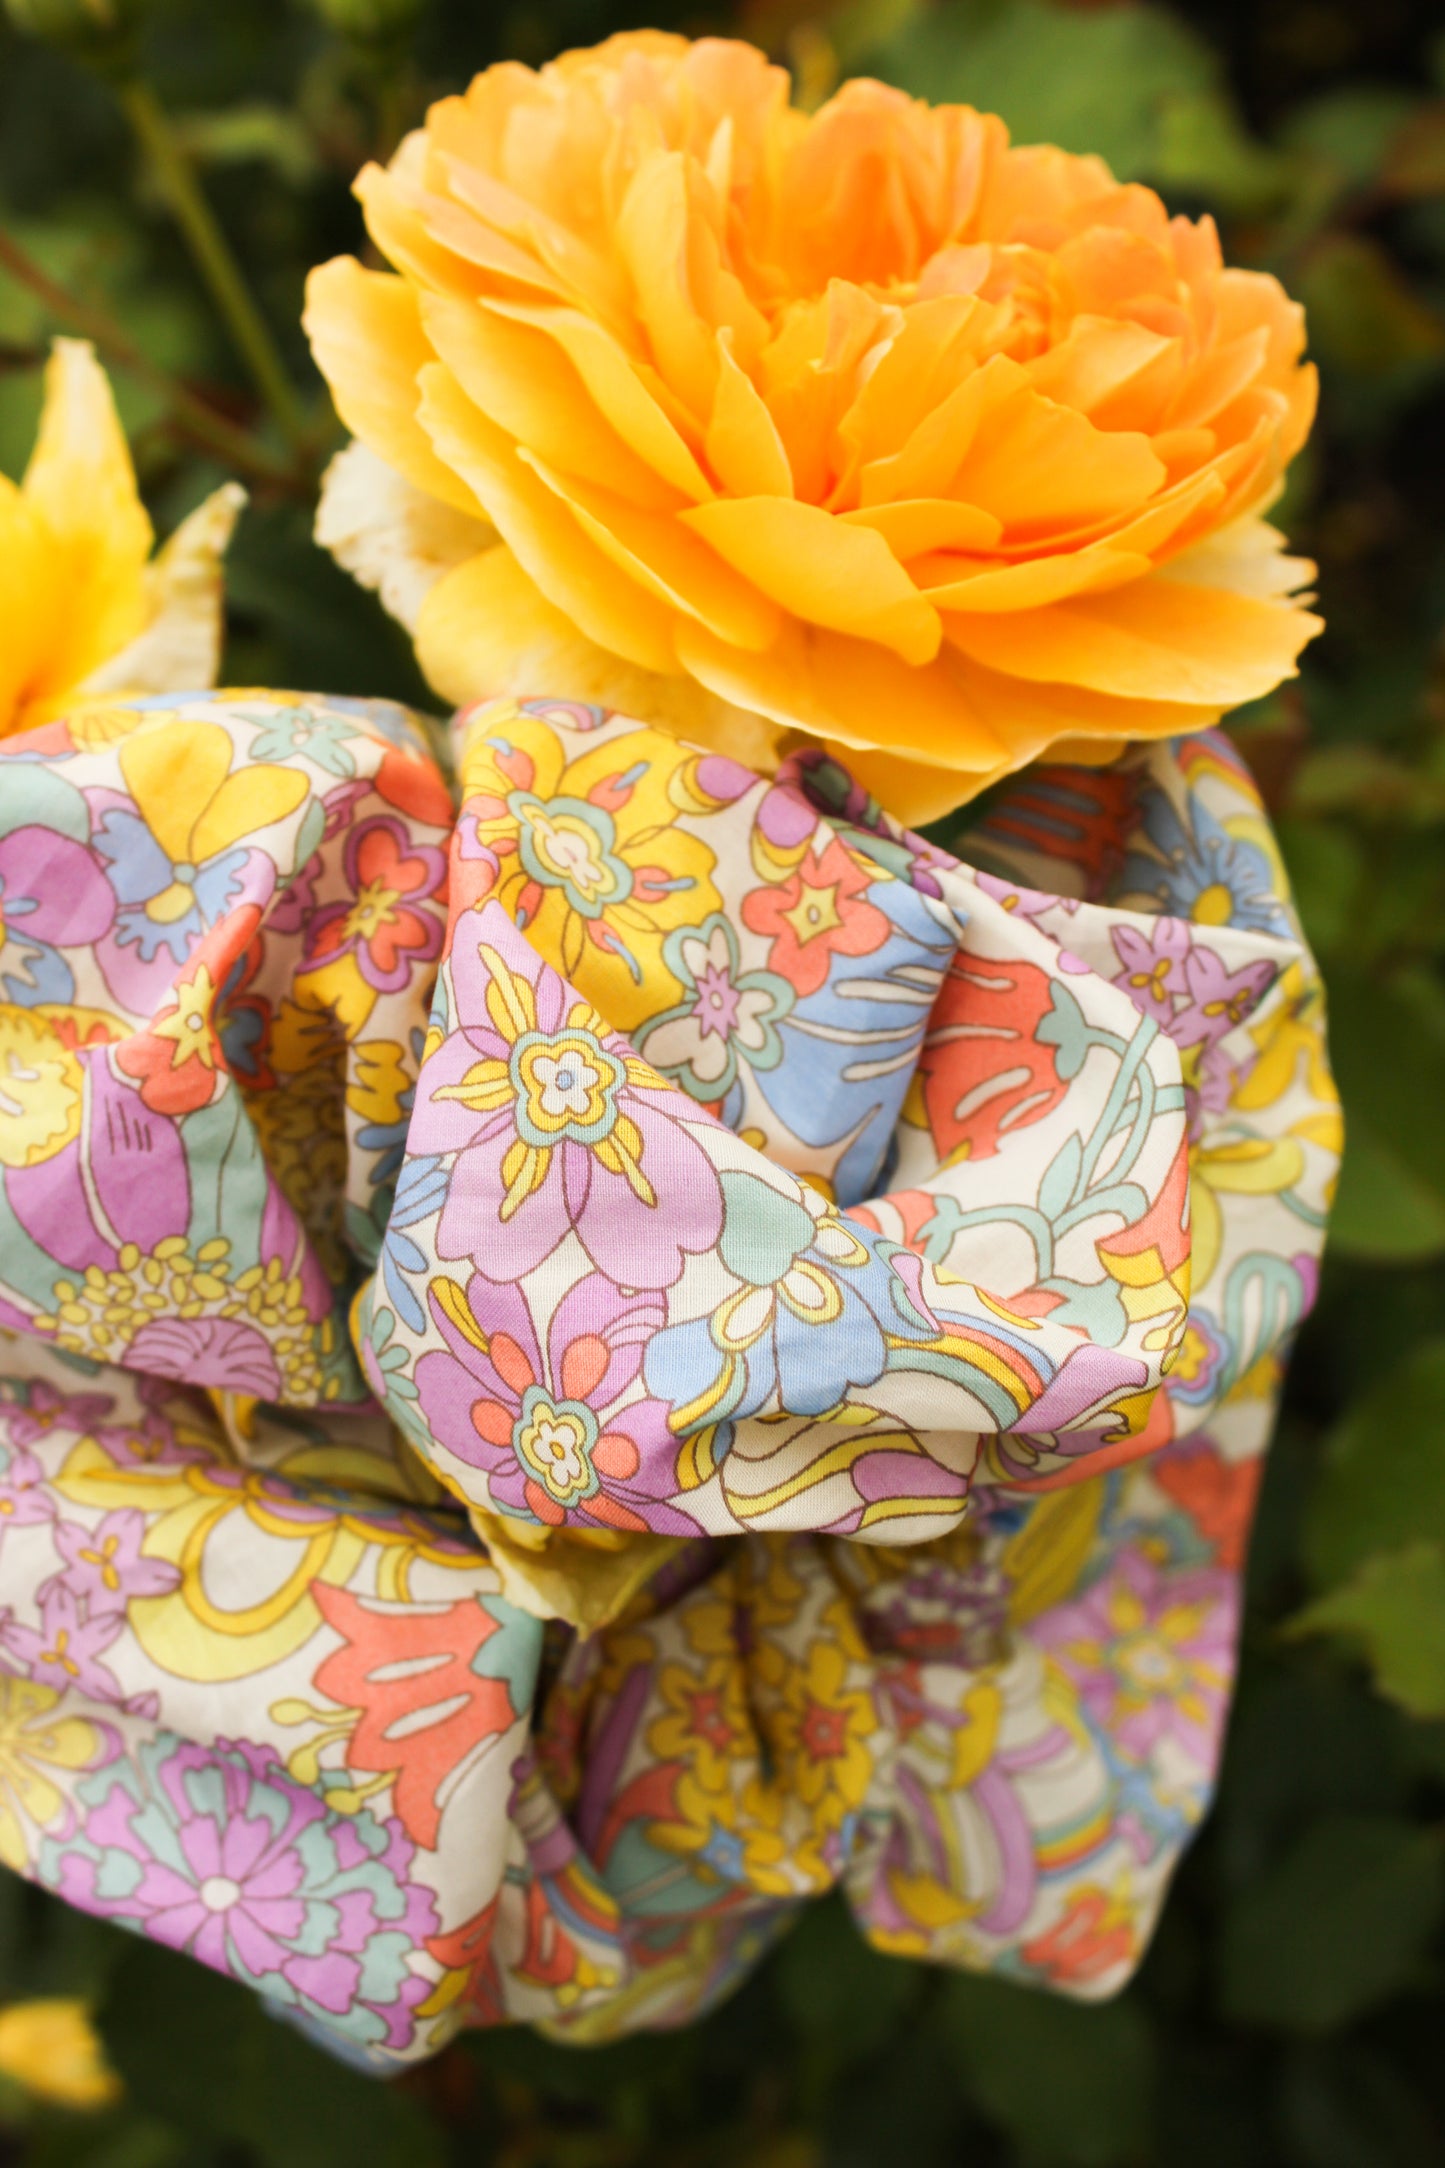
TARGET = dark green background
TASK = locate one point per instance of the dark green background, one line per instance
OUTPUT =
(1291, 2010)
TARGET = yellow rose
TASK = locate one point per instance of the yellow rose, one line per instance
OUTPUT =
(862, 424)
(84, 611)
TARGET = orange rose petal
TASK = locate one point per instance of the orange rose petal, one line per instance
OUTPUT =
(1039, 467)
(654, 242)
(832, 686)
(843, 578)
(744, 449)
(1100, 362)
(611, 378)
(1159, 639)
(392, 203)
(668, 561)
(919, 524)
(545, 253)
(524, 382)
(1029, 586)
(926, 465)
(569, 569)
(365, 331)
(871, 367)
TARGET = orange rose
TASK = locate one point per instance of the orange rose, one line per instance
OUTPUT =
(860, 424)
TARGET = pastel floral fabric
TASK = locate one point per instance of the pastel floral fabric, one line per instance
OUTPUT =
(594, 1349)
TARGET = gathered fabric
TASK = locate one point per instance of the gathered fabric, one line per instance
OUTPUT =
(593, 1345)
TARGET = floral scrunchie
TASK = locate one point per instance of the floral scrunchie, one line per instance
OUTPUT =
(583, 1362)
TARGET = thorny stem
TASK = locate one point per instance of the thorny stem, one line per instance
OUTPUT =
(214, 258)
(189, 413)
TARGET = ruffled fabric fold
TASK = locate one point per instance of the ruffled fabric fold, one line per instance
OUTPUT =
(588, 1361)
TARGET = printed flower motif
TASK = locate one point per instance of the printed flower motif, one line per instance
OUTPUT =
(323, 737)
(217, 1852)
(40, 1752)
(1219, 999)
(1197, 870)
(1202, 1356)
(1152, 972)
(817, 1722)
(1150, 1650)
(562, 1438)
(591, 862)
(65, 1650)
(104, 1566)
(84, 613)
(26, 1498)
(182, 858)
(874, 428)
(822, 912)
(988, 1065)
(1095, 1934)
(819, 1301)
(179, 1060)
(389, 877)
(727, 1015)
(52, 893)
(432, 1687)
(557, 1126)
(40, 1090)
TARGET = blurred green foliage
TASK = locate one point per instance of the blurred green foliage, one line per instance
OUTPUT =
(1291, 2009)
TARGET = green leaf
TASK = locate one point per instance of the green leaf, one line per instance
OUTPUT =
(833, 1984)
(1383, 1481)
(203, 2053)
(1071, 2083)
(1340, 1925)
(1396, 1606)
(1389, 1060)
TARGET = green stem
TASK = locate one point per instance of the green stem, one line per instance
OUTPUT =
(187, 412)
(214, 258)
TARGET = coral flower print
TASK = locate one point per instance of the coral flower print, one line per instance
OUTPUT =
(821, 912)
(389, 877)
(557, 1125)
(561, 1438)
(863, 423)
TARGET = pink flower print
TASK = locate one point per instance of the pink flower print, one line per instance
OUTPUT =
(394, 916)
(1153, 965)
(1219, 999)
(67, 1649)
(1151, 1651)
(25, 1497)
(557, 1125)
(558, 1436)
(45, 1410)
(104, 1566)
(218, 1852)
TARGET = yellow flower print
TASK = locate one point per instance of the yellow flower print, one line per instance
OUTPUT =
(594, 867)
(188, 1026)
(704, 1722)
(173, 862)
(37, 1751)
(82, 612)
(817, 1726)
(40, 1089)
